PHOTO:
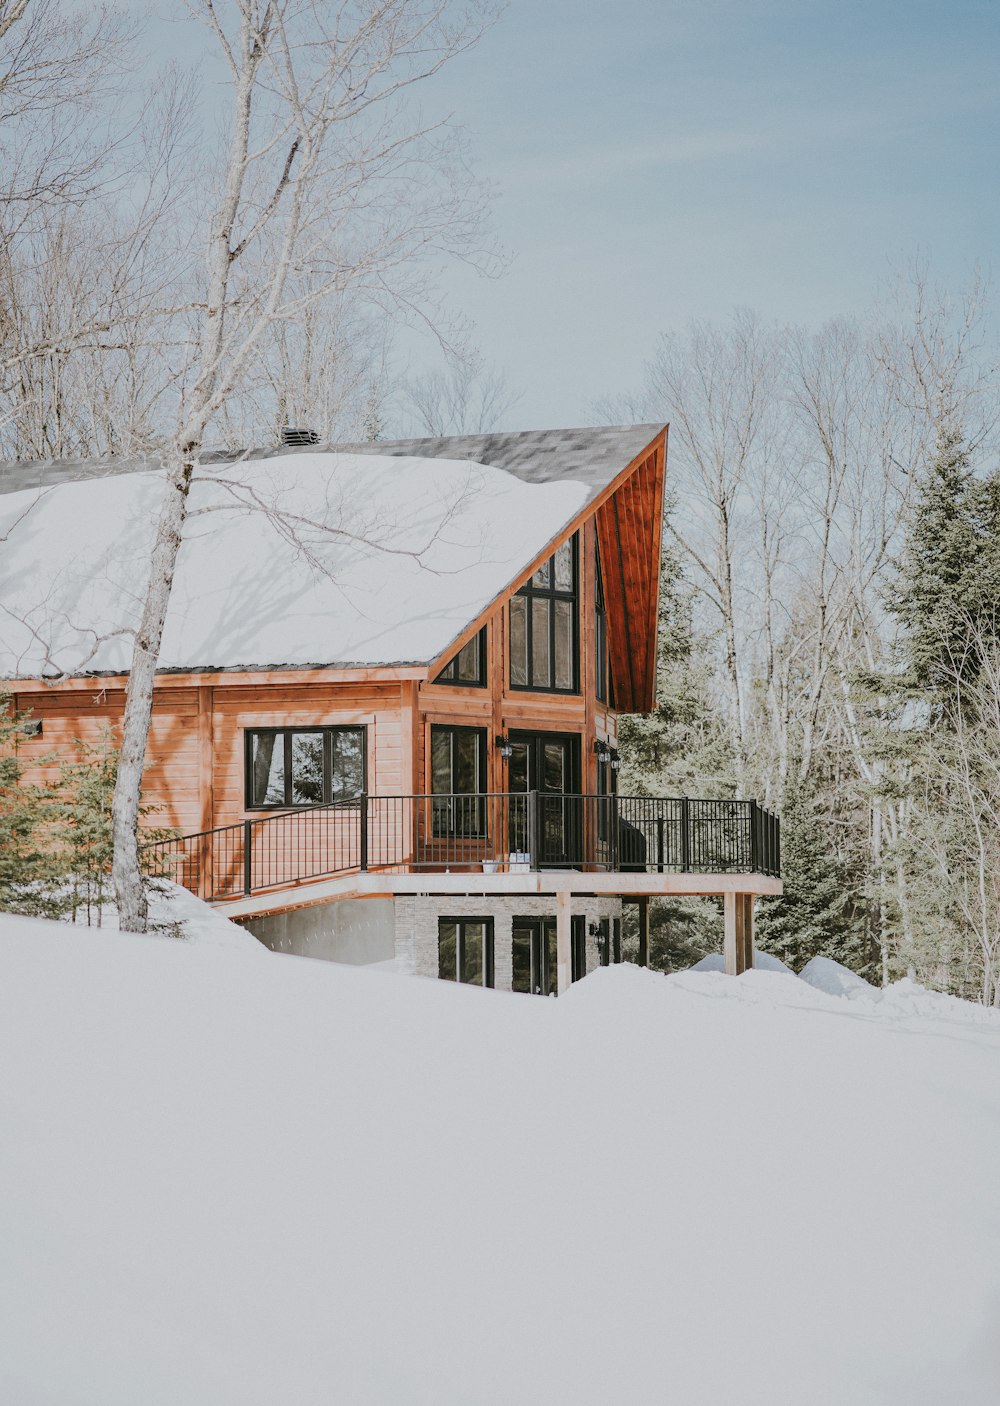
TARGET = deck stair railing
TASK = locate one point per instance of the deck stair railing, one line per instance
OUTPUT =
(498, 832)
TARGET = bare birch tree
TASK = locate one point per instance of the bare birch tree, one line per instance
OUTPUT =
(329, 181)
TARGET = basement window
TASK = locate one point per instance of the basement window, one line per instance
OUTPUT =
(287, 767)
(465, 950)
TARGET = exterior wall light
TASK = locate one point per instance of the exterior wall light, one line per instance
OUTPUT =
(504, 747)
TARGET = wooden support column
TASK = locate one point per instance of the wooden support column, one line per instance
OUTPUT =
(564, 942)
(734, 919)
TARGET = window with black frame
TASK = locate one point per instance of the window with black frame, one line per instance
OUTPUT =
(544, 626)
(287, 767)
(458, 776)
(467, 668)
(465, 950)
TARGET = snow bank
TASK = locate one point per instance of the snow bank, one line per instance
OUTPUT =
(229, 1183)
(900, 1000)
(176, 912)
(836, 980)
(297, 559)
(763, 961)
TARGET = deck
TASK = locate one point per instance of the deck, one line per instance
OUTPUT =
(526, 842)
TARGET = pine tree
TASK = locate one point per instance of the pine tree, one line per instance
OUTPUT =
(949, 572)
(31, 862)
(88, 787)
(815, 916)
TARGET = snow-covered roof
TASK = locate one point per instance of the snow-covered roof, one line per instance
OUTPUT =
(374, 555)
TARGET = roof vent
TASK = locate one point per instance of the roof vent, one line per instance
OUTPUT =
(296, 438)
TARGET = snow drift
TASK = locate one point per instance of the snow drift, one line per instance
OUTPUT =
(235, 1179)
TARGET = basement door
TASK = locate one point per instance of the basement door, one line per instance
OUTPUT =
(534, 951)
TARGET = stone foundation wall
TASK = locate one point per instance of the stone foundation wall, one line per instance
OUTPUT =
(417, 926)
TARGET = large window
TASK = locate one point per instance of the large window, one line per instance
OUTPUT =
(458, 775)
(468, 666)
(543, 626)
(304, 766)
(465, 950)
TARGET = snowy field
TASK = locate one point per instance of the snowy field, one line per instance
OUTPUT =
(228, 1176)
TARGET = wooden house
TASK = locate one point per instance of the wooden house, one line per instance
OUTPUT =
(385, 721)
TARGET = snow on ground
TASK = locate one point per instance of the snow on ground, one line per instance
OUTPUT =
(386, 575)
(258, 1181)
(176, 913)
(763, 961)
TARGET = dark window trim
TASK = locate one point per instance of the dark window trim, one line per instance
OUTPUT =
(602, 663)
(578, 947)
(286, 732)
(489, 947)
(551, 593)
(479, 682)
(443, 818)
(542, 735)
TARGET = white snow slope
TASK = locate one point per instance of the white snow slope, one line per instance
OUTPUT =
(297, 559)
(233, 1177)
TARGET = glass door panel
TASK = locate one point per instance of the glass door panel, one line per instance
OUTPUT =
(534, 955)
(545, 763)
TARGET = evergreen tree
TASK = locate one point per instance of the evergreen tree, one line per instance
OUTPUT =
(949, 571)
(31, 868)
(88, 787)
(816, 915)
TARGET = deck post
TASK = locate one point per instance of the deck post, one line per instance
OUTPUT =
(644, 930)
(685, 836)
(734, 918)
(363, 835)
(564, 943)
(247, 858)
(533, 829)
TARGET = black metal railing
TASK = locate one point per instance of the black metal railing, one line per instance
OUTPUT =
(490, 833)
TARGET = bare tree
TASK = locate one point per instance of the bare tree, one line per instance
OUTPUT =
(467, 397)
(61, 70)
(329, 181)
(717, 387)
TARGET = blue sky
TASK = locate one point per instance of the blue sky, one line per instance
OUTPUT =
(657, 162)
(662, 160)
